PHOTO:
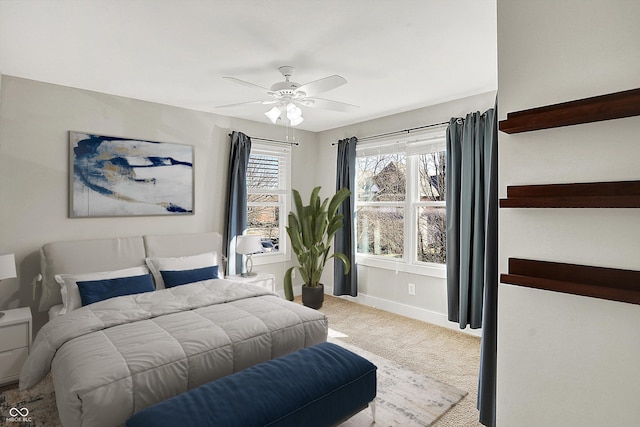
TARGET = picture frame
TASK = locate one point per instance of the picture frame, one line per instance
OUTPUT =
(113, 177)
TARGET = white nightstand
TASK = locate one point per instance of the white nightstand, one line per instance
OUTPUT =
(15, 342)
(265, 280)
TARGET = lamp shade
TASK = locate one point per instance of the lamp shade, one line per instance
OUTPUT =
(297, 121)
(291, 110)
(248, 244)
(7, 266)
(273, 114)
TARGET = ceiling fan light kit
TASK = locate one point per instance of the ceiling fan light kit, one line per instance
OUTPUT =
(273, 114)
(289, 96)
(293, 113)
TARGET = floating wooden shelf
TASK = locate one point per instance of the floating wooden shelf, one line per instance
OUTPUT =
(619, 194)
(605, 107)
(598, 282)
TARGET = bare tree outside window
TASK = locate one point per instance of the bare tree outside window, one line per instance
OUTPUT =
(431, 176)
(265, 199)
(264, 220)
(381, 183)
(383, 217)
(432, 224)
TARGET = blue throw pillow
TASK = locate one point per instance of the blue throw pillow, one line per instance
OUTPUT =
(98, 290)
(182, 277)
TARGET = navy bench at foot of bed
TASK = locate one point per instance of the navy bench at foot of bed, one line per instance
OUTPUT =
(318, 386)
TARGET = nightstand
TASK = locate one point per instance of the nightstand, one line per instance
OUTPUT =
(265, 280)
(15, 342)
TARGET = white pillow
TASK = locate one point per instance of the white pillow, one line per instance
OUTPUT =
(207, 259)
(69, 284)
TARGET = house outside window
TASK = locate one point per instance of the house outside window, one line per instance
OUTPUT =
(381, 186)
(401, 203)
(268, 189)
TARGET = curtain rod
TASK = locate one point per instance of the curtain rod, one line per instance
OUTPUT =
(273, 140)
(366, 138)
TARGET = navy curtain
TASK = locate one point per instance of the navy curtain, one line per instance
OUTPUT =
(344, 240)
(472, 230)
(236, 214)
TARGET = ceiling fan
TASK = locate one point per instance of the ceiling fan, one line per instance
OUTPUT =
(288, 96)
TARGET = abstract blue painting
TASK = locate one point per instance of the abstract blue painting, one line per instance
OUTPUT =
(113, 176)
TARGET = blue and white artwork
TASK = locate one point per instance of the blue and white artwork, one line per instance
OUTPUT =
(113, 176)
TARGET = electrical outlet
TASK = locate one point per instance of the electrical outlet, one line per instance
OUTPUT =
(412, 288)
(293, 273)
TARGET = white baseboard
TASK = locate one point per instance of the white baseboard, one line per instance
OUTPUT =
(399, 308)
(408, 311)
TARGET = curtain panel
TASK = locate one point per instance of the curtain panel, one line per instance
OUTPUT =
(472, 234)
(236, 212)
(344, 240)
(489, 343)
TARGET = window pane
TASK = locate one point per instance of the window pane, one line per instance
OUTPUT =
(431, 176)
(432, 240)
(263, 172)
(263, 221)
(382, 178)
(262, 198)
(381, 231)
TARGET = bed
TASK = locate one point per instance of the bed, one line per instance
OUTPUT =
(113, 357)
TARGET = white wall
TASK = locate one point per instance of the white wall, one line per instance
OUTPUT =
(35, 118)
(384, 288)
(566, 360)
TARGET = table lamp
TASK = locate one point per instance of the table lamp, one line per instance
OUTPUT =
(7, 269)
(248, 245)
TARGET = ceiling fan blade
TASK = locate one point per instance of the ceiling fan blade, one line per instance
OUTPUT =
(328, 104)
(247, 84)
(322, 85)
(240, 104)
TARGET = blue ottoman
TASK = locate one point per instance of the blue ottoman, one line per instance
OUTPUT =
(318, 386)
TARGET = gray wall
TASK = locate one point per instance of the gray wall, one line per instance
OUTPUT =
(384, 288)
(35, 118)
(566, 360)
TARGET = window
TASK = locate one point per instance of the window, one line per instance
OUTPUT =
(431, 209)
(401, 201)
(268, 187)
(381, 186)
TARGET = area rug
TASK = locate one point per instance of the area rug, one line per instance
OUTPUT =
(30, 408)
(405, 398)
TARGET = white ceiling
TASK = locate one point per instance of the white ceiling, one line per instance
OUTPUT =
(397, 55)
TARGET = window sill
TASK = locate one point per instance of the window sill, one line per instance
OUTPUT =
(271, 258)
(433, 270)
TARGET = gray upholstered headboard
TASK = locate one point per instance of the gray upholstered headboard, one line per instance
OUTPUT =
(89, 256)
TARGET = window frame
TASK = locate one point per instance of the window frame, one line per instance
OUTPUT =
(433, 140)
(284, 203)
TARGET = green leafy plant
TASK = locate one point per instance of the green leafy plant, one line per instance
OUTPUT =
(310, 231)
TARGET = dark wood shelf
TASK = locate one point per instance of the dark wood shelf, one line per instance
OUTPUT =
(618, 194)
(604, 107)
(597, 282)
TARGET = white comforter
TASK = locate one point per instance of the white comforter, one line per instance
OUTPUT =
(114, 358)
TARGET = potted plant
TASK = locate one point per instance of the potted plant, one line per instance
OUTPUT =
(310, 231)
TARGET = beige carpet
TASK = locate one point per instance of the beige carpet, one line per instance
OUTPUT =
(449, 357)
(443, 354)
